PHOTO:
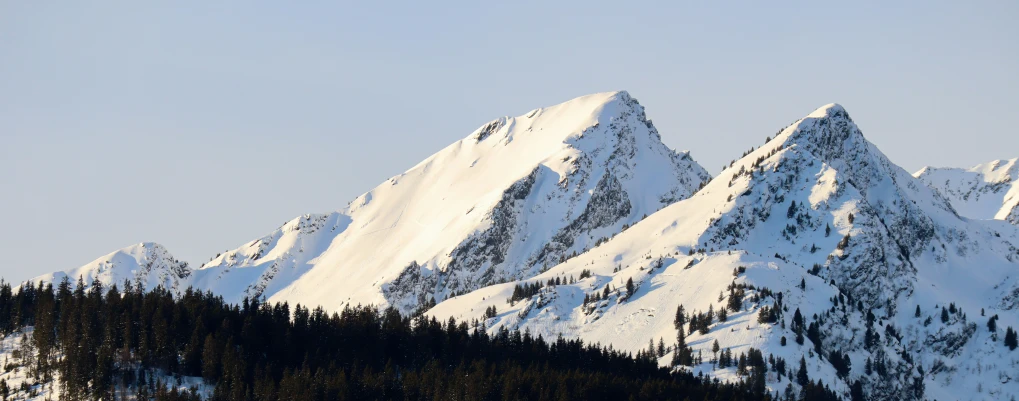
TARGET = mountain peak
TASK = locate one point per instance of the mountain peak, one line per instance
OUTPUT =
(570, 118)
(827, 110)
(147, 263)
(515, 197)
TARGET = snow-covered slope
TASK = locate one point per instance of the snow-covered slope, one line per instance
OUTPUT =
(146, 264)
(985, 191)
(514, 198)
(817, 206)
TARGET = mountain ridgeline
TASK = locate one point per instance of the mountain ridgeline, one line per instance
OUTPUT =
(812, 253)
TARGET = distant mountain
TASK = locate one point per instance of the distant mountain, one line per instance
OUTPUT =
(145, 265)
(816, 221)
(575, 220)
(984, 191)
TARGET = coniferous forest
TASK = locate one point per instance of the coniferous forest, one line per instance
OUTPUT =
(103, 343)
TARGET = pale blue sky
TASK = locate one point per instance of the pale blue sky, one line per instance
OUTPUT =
(203, 125)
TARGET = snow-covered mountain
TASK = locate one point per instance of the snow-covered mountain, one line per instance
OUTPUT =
(816, 220)
(815, 244)
(145, 265)
(984, 191)
(514, 198)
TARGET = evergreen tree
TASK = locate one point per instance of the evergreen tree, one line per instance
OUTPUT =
(680, 317)
(801, 374)
(1010, 339)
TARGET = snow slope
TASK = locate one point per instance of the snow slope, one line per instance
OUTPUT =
(510, 200)
(984, 191)
(146, 264)
(906, 247)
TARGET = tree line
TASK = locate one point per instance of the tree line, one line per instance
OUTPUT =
(120, 342)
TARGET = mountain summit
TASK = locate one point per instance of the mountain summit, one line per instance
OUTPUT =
(145, 265)
(514, 198)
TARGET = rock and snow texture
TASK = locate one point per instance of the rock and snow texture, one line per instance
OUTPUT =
(817, 205)
(514, 198)
(146, 265)
(985, 191)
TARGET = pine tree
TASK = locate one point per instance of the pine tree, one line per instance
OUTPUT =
(629, 287)
(680, 317)
(917, 313)
(944, 315)
(798, 326)
(801, 374)
(210, 359)
(856, 391)
(1010, 339)
(843, 243)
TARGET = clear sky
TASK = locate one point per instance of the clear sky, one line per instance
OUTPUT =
(203, 125)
